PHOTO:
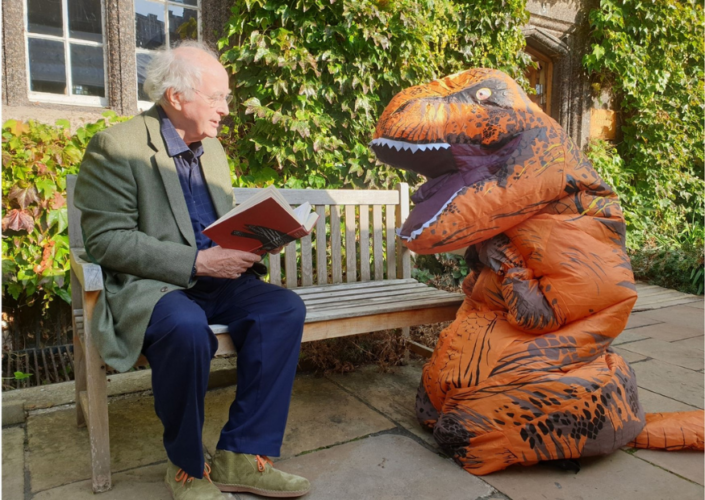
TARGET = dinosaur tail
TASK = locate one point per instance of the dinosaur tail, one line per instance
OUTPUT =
(672, 431)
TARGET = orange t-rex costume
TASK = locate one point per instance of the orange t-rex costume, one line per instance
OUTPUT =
(525, 373)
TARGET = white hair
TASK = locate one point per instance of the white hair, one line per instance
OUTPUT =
(168, 69)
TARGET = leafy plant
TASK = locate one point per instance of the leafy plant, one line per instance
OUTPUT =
(35, 248)
(312, 78)
(651, 56)
(22, 375)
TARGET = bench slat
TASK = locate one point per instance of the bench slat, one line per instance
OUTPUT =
(327, 196)
(391, 243)
(377, 241)
(404, 255)
(306, 261)
(391, 298)
(350, 286)
(350, 245)
(363, 292)
(275, 269)
(364, 242)
(290, 265)
(335, 249)
(366, 310)
(321, 259)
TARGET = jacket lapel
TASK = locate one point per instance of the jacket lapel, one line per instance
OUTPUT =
(167, 169)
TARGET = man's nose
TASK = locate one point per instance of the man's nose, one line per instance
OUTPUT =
(222, 107)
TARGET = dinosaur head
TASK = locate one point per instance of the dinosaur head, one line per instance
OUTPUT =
(457, 131)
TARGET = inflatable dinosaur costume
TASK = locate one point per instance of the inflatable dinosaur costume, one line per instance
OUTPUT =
(525, 373)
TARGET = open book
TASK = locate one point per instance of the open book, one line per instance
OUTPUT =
(263, 223)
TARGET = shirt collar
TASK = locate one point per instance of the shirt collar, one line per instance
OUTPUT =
(175, 145)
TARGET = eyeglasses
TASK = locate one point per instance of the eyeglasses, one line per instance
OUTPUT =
(214, 99)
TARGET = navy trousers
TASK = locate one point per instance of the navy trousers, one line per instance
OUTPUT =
(266, 324)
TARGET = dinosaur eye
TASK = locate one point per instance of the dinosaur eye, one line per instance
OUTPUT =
(483, 94)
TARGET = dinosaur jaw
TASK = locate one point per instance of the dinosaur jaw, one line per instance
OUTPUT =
(430, 160)
(450, 168)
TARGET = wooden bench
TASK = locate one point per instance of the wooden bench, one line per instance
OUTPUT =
(352, 272)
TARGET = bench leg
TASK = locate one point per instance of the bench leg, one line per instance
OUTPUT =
(96, 398)
(79, 363)
(406, 336)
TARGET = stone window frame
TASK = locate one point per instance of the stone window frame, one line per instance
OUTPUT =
(66, 40)
(120, 53)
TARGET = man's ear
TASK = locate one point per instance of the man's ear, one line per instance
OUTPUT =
(173, 98)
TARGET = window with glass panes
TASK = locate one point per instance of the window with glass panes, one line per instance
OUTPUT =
(65, 51)
(159, 23)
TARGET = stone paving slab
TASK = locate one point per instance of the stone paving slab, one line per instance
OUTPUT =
(393, 394)
(637, 320)
(631, 357)
(671, 381)
(136, 432)
(618, 476)
(670, 352)
(695, 343)
(318, 404)
(655, 403)
(385, 467)
(698, 305)
(144, 483)
(632, 335)
(683, 316)
(688, 464)
(13, 463)
(667, 332)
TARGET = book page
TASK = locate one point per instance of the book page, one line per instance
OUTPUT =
(301, 212)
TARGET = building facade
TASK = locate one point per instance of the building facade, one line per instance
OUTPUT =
(75, 58)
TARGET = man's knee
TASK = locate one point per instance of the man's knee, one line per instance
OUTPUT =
(291, 306)
(181, 329)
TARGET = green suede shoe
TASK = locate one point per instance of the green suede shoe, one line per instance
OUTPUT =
(237, 472)
(185, 487)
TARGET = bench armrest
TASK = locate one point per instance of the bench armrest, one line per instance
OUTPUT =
(89, 275)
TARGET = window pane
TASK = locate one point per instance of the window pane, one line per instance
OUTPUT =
(85, 21)
(186, 2)
(44, 17)
(149, 24)
(47, 66)
(183, 24)
(87, 73)
(142, 61)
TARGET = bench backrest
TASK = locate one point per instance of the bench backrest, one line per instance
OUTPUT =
(354, 239)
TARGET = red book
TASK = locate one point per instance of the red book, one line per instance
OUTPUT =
(263, 223)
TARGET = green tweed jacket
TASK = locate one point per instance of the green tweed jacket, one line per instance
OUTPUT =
(136, 226)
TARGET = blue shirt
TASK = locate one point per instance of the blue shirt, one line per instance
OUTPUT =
(188, 166)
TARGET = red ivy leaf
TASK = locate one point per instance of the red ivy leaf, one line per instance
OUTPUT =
(57, 201)
(18, 220)
(41, 168)
(23, 196)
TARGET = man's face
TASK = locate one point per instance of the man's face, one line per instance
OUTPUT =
(199, 118)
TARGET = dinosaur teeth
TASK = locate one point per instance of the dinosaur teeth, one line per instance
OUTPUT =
(407, 146)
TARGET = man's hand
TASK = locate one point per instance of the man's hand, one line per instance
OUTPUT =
(220, 262)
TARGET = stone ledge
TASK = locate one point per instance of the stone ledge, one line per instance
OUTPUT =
(223, 373)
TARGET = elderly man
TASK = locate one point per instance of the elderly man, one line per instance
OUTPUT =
(146, 190)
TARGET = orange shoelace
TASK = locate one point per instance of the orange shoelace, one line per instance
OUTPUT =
(183, 478)
(262, 462)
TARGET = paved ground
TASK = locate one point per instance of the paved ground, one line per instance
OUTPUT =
(356, 437)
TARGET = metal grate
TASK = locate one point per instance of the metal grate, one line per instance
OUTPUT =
(35, 367)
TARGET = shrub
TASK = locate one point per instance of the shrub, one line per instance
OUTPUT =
(651, 56)
(35, 248)
(313, 78)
